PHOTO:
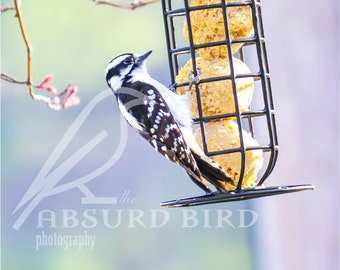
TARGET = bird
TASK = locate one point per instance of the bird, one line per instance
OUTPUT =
(163, 118)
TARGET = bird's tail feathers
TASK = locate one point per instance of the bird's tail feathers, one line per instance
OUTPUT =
(213, 172)
(198, 181)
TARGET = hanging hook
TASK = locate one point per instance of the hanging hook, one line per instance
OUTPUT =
(194, 79)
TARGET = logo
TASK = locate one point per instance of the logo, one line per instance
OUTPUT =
(121, 210)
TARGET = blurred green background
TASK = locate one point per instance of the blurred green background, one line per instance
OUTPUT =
(74, 40)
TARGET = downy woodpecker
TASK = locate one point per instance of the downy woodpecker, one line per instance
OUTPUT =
(162, 117)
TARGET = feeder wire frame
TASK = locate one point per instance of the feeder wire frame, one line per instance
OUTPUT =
(263, 75)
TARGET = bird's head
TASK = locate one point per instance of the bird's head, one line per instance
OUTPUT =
(123, 67)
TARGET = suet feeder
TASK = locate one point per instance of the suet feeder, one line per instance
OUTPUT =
(217, 51)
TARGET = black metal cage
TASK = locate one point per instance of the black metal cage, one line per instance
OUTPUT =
(224, 45)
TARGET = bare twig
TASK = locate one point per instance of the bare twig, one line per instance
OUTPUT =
(28, 48)
(68, 97)
(11, 80)
(135, 4)
(55, 100)
(6, 8)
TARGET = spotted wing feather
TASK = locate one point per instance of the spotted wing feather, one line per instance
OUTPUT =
(151, 117)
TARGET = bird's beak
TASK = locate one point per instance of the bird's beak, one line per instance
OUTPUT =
(141, 58)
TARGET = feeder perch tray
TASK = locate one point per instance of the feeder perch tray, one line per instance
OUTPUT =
(231, 196)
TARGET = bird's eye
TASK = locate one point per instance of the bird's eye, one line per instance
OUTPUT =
(129, 61)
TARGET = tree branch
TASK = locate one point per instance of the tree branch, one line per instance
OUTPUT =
(11, 80)
(6, 8)
(28, 48)
(55, 100)
(135, 4)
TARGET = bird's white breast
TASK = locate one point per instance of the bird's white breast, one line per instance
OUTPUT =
(179, 105)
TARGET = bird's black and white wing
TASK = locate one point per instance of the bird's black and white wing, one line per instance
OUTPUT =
(151, 117)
